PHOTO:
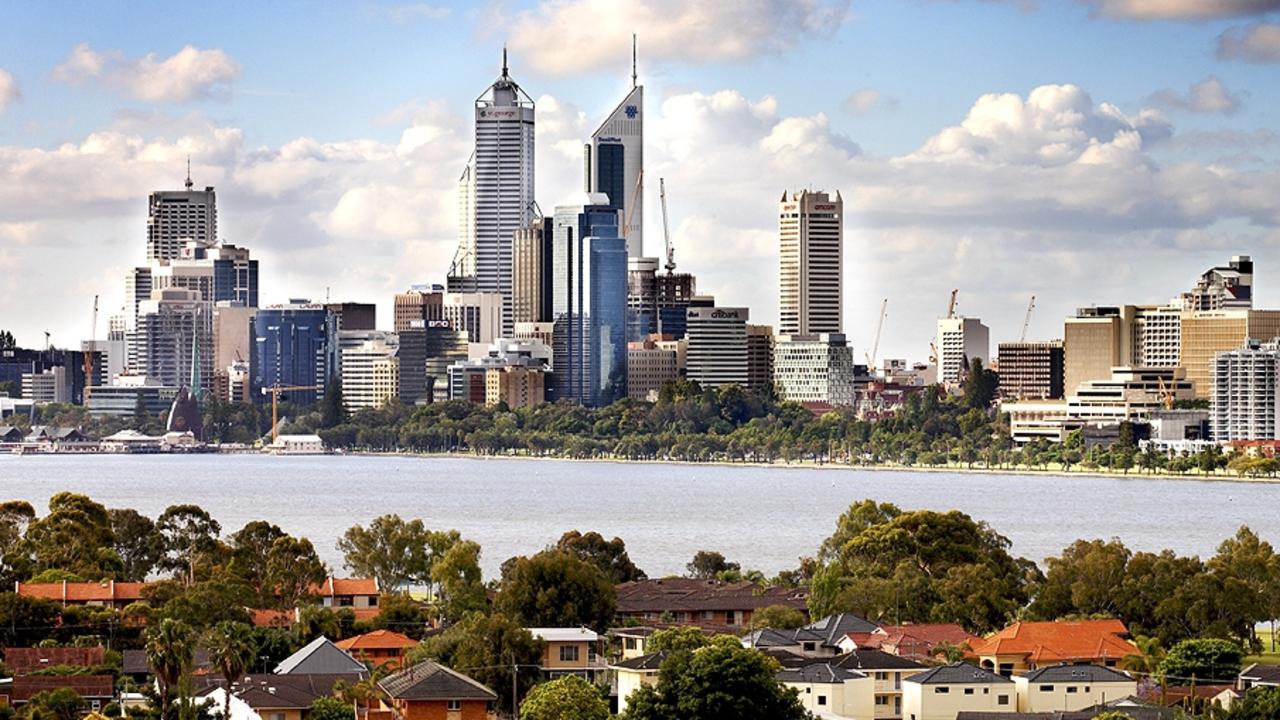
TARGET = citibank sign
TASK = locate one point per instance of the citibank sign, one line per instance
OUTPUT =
(725, 314)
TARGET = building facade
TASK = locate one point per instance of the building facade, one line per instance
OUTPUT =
(960, 341)
(370, 368)
(759, 356)
(615, 166)
(421, 303)
(1246, 393)
(642, 298)
(717, 350)
(811, 263)
(1207, 333)
(814, 369)
(479, 315)
(176, 216)
(531, 268)
(294, 345)
(649, 368)
(1030, 370)
(172, 336)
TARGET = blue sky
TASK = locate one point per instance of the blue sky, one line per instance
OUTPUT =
(1131, 143)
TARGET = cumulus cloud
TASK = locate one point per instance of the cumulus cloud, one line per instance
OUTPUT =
(413, 12)
(1257, 43)
(8, 89)
(189, 74)
(861, 102)
(595, 34)
(1180, 9)
(1207, 96)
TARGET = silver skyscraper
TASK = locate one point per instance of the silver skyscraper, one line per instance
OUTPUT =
(615, 164)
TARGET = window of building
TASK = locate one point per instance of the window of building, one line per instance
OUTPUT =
(707, 615)
(1071, 689)
(941, 690)
(968, 691)
(1046, 688)
(882, 699)
(822, 699)
(1002, 699)
(346, 601)
(455, 704)
(882, 676)
(373, 601)
(809, 647)
(568, 653)
(631, 643)
(730, 617)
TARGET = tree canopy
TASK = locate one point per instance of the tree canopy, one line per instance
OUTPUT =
(566, 698)
(556, 588)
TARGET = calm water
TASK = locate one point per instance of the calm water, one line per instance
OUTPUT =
(764, 518)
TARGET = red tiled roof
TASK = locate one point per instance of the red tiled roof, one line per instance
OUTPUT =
(689, 595)
(273, 618)
(1061, 641)
(86, 686)
(923, 639)
(25, 660)
(334, 586)
(83, 592)
(378, 640)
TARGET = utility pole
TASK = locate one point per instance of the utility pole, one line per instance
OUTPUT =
(515, 690)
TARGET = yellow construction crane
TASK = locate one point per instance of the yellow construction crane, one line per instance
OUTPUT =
(275, 391)
(1166, 394)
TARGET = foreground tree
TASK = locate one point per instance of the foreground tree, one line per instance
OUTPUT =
(390, 549)
(461, 583)
(721, 680)
(190, 535)
(293, 568)
(487, 647)
(1260, 703)
(170, 652)
(1205, 660)
(556, 589)
(566, 698)
(608, 555)
(59, 704)
(137, 543)
(75, 537)
(231, 650)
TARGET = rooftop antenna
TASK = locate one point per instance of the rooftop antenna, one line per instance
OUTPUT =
(189, 183)
(504, 60)
(633, 61)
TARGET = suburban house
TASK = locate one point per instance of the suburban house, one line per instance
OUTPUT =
(631, 641)
(570, 651)
(1071, 687)
(887, 673)
(819, 639)
(1132, 708)
(943, 692)
(108, 593)
(712, 605)
(96, 690)
(275, 697)
(321, 657)
(378, 648)
(359, 594)
(430, 691)
(915, 641)
(827, 690)
(26, 660)
(1257, 675)
(1025, 646)
(634, 672)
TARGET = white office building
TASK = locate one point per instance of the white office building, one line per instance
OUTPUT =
(1246, 393)
(370, 368)
(176, 216)
(811, 263)
(960, 340)
(479, 315)
(814, 369)
(716, 353)
(171, 326)
(615, 165)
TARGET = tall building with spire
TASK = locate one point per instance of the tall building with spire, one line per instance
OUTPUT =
(614, 163)
(497, 198)
(176, 216)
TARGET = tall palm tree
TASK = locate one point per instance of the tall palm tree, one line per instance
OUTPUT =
(1148, 660)
(170, 650)
(231, 650)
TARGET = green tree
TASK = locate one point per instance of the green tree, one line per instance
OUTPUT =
(721, 680)
(1205, 659)
(390, 549)
(332, 409)
(1259, 703)
(23, 619)
(566, 698)
(136, 542)
(170, 651)
(190, 536)
(328, 708)
(59, 704)
(707, 564)
(75, 537)
(1251, 566)
(231, 649)
(250, 546)
(778, 617)
(293, 568)
(677, 639)
(608, 555)
(488, 647)
(981, 385)
(461, 583)
(403, 614)
(557, 589)
(1085, 580)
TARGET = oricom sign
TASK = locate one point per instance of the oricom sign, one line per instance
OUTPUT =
(825, 207)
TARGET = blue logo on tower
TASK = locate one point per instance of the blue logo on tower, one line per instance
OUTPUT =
(632, 111)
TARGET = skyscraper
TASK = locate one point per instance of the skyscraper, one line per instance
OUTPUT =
(531, 285)
(811, 263)
(615, 164)
(497, 197)
(717, 352)
(960, 341)
(176, 216)
(172, 327)
(294, 344)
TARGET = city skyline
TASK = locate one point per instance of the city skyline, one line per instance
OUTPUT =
(1089, 191)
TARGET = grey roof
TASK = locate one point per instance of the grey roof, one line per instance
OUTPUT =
(876, 660)
(433, 681)
(1262, 674)
(834, 627)
(768, 637)
(818, 673)
(277, 692)
(320, 656)
(995, 715)
(960, 673)
(1076, 673)
(645, 662)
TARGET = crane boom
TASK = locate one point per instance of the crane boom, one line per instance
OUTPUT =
(88, 352)
(875, 346)
(1026, 321)
(951, 306)
(635, 200)
(666, 230)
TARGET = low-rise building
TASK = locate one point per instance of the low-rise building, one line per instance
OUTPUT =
(95, 690)
(633, 673)
(321, 656)
(428, 691)
(1026, 646)
(1131, 394)
(570, 651)
(380, 648)
(1258, 675)
(712, 605)
(650, 367)
(297, 445)
(631, 642)
(515, 385)
(921, 642)
(28, 660)
(108, 593)
(271, 696)
(828, 690)
(1071, 687)
(944, 692)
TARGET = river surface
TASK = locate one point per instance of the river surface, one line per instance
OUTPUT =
(762, 517)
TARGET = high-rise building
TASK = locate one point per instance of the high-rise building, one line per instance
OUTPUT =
(759, 356)
(649, 367)
(814, 369)
(1094, 341)
(427, 350)
(18, 362)
(531, 261)
(642, 298)
(589, 303)
(1228, 287)
(1246, 393)
(421, 303)
(675, 291)
(960, 341)
(479, 315)
(1157, 335)
(1205, 334)
(1030, 370)
(811, 263)
(295, 344)
(137, 287)
(498, 190)
(173, 328)
(176, 216)
(232, 343)
(354, 315)
(370, 368)
(220, 273)
(515, 385)
(717, 352)
(47, 386)
(615, 164)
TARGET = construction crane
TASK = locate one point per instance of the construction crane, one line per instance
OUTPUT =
(275, 391)
(666, 230)
(1026, 321)
(1166, 394)
(635, 201)
(875, 346)
(951, 306)
(88, 352)
(48, 344)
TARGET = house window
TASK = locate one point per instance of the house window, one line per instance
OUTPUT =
(1071, 689)
(631, 643)
(1046, 688)
(455, 704)
(568, 653)
(346, 601)
(809, 647)
(882, 699)
(730, 617)
(373, 601)
(986, 691)
(708, 616)
(968, 691)
(1002, 699)
(882, 676)
(682, 617)
(941, 690)
(275, 716)
(822, 699)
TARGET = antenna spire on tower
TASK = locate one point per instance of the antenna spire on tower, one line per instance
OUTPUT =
(189, 183)
(504, 60)
(633, 61)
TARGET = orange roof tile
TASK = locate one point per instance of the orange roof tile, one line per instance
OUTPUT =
(346, 586)
(106, 591)
(1061, 641)
(378, 640)
(273, 618)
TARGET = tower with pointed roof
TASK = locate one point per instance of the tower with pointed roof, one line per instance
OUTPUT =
(614, 161)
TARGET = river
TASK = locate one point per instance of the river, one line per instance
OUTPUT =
(762, 517)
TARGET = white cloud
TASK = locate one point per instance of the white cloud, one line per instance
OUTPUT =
(9, 91)
(1207, 96)
(413, 12)
(861, 102)
(189, 74)
(589, 35)
(1180, 9)
(1257, 43)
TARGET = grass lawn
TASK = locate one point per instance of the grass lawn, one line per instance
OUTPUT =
(1268, 657)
